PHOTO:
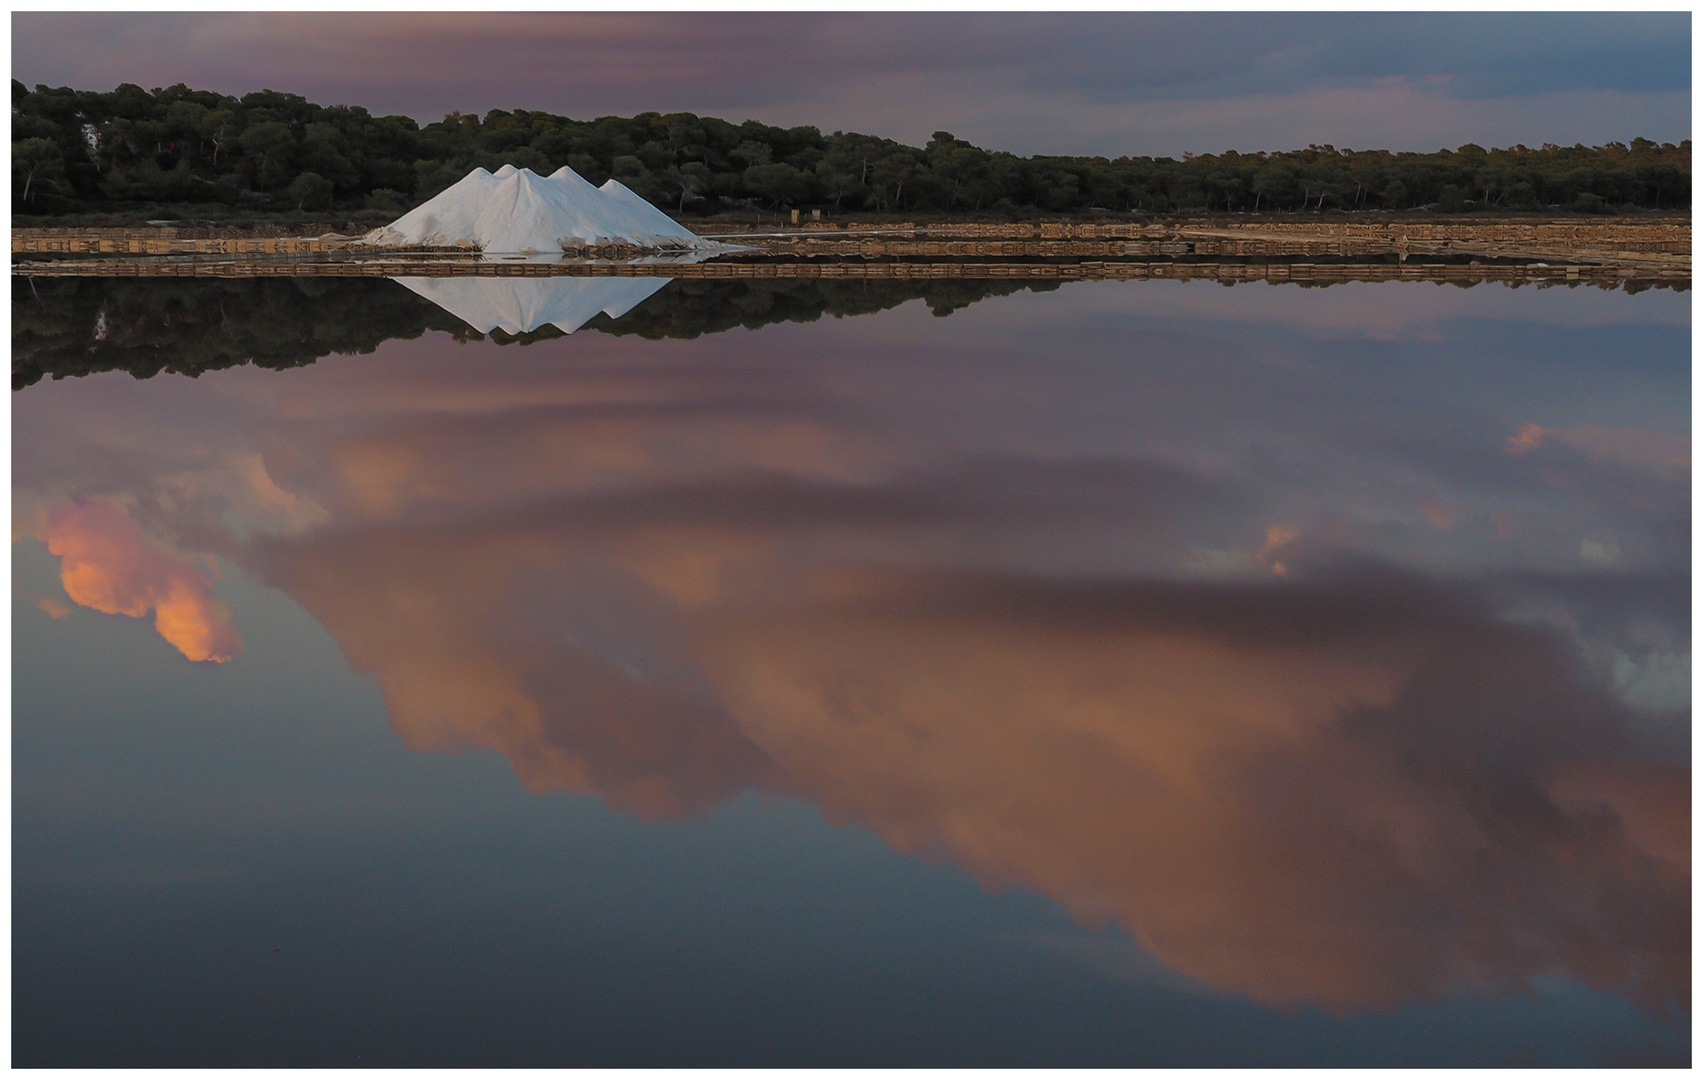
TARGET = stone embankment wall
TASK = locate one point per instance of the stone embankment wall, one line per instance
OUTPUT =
(1179, 246)
(1673, 235)
(1641, 248)
(165, 241)
(174, 242)
(1639, 242)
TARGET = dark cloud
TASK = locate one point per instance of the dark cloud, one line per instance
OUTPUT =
(1154, 498)
(1026, 82)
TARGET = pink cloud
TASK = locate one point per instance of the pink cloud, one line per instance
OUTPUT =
(106, 564)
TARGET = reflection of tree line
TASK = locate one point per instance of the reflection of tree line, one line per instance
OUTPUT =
(688, 308)
(64, 327)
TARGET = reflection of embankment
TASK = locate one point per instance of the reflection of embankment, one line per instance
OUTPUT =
(1458, 269)
(80, 326)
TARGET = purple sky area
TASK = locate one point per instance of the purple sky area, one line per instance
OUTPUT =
(1098, 83)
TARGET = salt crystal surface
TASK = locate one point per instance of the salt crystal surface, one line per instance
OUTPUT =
(516, 211)
(444, 219)
(656, 226)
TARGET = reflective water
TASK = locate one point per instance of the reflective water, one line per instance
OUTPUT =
(520, 306)
(1126, 673)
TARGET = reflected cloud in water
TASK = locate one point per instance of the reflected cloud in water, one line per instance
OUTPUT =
(1305, 742)
(107, 565)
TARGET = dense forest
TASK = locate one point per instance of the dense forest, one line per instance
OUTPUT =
(195, 153)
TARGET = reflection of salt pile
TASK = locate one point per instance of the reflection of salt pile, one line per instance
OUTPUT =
(516, 210)
(521, 305)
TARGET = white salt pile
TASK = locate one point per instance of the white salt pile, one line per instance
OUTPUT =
(517, 211)
(650, 221)
(521, 305)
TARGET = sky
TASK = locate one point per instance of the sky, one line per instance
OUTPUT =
(1123, 83)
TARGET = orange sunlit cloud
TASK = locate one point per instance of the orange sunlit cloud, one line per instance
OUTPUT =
(1624, 446)
(1277, 539)
(106, 564)
(52, 608)
(1527, 439)
(487, 461)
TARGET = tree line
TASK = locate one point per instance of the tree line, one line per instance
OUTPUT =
(80, 152)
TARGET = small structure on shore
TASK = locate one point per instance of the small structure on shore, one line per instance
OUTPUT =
(517, 212)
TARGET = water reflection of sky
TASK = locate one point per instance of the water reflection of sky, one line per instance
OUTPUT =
(1331, 645)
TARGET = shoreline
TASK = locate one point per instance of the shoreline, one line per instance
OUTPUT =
(1525, 250)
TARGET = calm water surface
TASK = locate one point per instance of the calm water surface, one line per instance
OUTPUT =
(1129, 673)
